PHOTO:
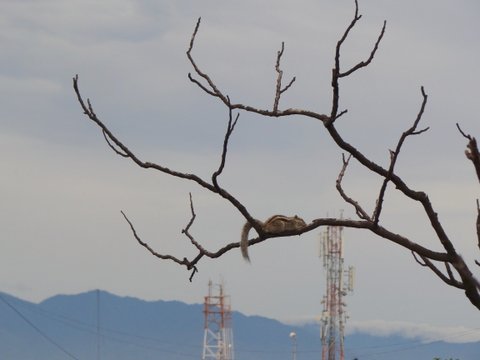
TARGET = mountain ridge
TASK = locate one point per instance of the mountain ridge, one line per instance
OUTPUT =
(100, 324)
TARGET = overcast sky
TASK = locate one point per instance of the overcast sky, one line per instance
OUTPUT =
(62, 188)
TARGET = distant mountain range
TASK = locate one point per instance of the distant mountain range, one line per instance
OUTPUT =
(100, 325)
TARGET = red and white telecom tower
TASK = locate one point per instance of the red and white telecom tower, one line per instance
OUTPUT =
(218, 337)
(339, 283)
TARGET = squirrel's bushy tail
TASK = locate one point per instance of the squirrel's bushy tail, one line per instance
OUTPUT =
(244, 240)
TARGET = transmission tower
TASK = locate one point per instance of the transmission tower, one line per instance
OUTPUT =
(218, 336)
(339, 283)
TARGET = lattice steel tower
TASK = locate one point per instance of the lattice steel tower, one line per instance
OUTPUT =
(339, 283)
(218, 337)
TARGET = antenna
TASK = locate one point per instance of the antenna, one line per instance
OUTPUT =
(218, 335)
(339, 283)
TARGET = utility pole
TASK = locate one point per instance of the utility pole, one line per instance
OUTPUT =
(98, 324)
(293, 336)
(338, 283)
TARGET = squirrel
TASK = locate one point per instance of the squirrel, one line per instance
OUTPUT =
(274, 224)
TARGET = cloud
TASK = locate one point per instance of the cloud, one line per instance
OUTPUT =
(28, 86)
(130, 56)
(418, 331)
(121, 20)
(422, 331)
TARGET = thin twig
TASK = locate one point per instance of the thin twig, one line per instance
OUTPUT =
(465, 135)
(213, 90)
(394, 156)
(150, 249)
(365, 63)
(362, 214)
(336, 71)
(447, 279)
(118, 152)
(228, 133)
(126, 151)
(278, 89)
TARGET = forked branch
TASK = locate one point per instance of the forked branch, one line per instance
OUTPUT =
(473, 155)
(471, 152)
(211, 88)
(336, 71)
(456, 273)
(362, 214)
(394, 156)
(279, 90)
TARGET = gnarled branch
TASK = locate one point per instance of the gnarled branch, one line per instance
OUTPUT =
(456, 274)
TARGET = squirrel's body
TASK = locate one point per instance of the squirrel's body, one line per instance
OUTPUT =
(274, 224)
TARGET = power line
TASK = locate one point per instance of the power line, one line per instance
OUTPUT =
(45, 336)
(91, 328)
(88, 328)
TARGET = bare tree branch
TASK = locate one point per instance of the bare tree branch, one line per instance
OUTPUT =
(473, 155)
(118, 152)
(471, 152)
(150, 249)
(278, 90)
(370, 58)
(336, 72)
(394, 156)
(449, 280)
(213, 90)
(126, 151)
(362, 214)
(478, 228)
(456, 274)
(230, 128)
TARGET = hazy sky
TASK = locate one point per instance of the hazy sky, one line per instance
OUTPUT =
(62, 188)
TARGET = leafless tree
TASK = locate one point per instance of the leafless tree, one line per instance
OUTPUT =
(448, 264)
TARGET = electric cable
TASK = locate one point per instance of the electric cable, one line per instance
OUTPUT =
(37, 329)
